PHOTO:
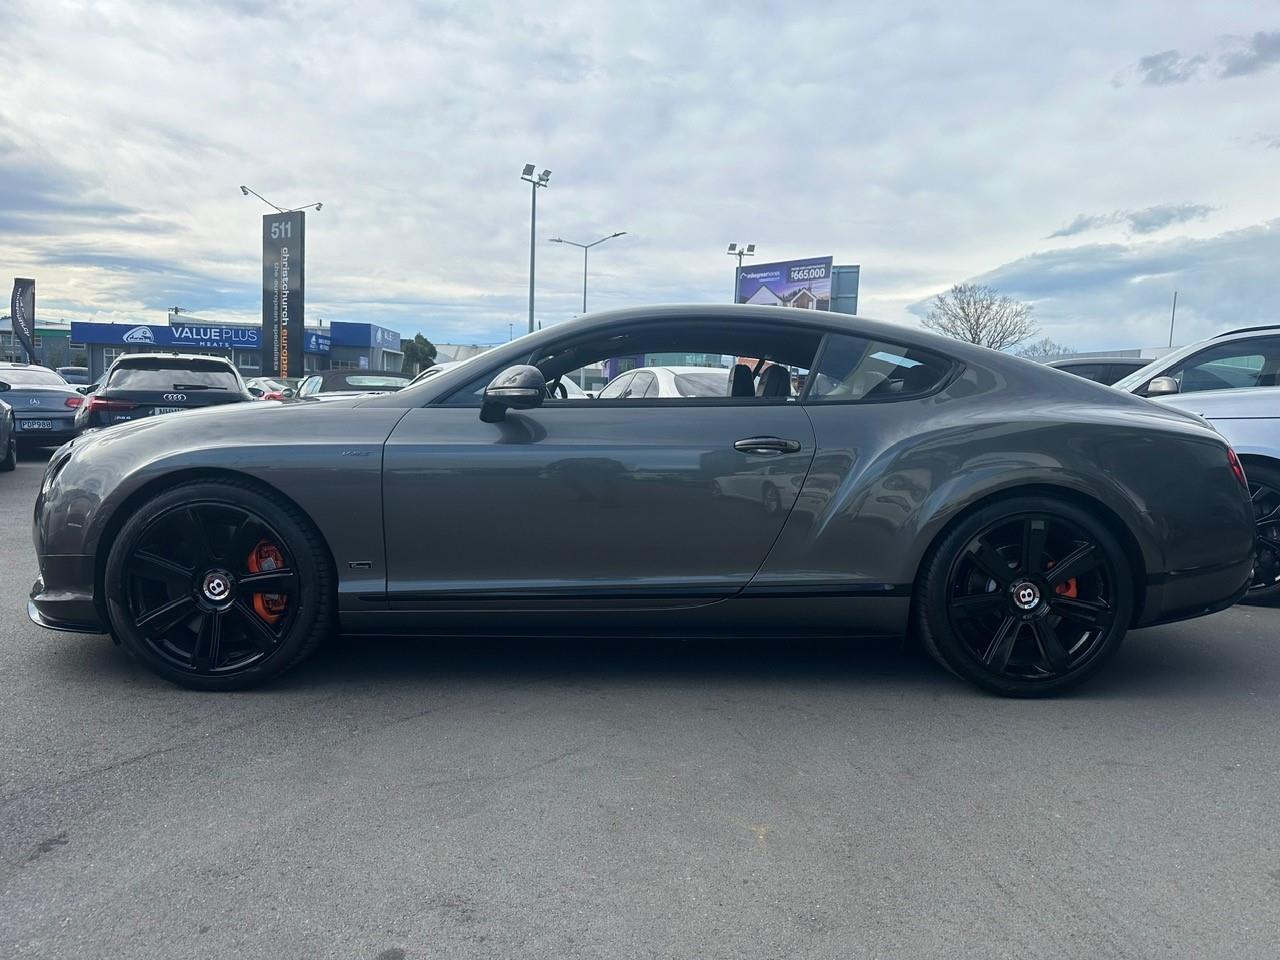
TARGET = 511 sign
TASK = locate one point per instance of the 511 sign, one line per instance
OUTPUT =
(283, 272)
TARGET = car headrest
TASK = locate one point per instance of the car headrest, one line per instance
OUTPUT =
(741, 383)
(775, 382)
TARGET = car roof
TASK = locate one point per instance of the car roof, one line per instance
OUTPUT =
(19, 365)
(1232, 333)
(125, 358)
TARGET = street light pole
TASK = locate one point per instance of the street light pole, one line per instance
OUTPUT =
(739, 250)
(586, 247)
(539, 181)
(250, 192)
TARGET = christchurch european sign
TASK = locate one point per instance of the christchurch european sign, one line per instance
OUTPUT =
(283, 256)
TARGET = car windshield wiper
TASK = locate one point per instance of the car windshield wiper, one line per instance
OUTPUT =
(197, 386)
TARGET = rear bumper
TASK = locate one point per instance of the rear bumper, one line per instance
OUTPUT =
(1183, 595)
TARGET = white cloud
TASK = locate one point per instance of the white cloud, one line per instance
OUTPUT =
(925, 145)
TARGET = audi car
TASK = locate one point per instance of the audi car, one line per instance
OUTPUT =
(44, 405)
(146, 385)
(1018, 521)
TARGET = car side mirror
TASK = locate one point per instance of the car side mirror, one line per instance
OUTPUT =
(521, 387)
(256, 392)
(4, 386)
(1162, 387)
(85, 390)
(288, 393)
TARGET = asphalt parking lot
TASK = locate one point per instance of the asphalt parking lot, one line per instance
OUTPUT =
(412, 799)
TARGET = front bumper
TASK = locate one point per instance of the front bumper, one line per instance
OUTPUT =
(70, 611)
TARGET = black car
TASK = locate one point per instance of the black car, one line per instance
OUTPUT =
(142, 385)
(1104, 370)
(44, 405)
(1017, 520)
(8, 438)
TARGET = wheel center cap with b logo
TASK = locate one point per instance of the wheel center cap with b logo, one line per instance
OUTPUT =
(1026, 595)
(217, 586)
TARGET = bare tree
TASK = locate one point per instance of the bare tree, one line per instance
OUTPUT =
(1045, 349)
(977, 314)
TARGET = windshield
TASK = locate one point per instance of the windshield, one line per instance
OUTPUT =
(171, 378)
(31, 377)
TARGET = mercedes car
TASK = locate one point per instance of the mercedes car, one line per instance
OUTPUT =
(44, 405)
(1017, 519)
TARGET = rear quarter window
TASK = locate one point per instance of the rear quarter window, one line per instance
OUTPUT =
(860, 369)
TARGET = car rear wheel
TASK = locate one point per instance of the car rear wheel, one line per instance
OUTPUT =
(1264, 488)
(219, 586)
(1025, 597)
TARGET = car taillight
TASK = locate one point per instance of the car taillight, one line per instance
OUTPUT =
(74, 402)
(1237, 468)
(101, 403)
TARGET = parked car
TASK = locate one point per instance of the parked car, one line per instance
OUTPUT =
(144, 385)
(1250, 421)
(339, 384)
(1106, 370)
(44, 405)
(1240, 359)
(76, 376)
(1018, 520)
(670, 382)
(8, 437)
(270, 388)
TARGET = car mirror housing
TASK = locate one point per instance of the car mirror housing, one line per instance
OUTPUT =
(521, 387)
(4, 386)
(1162, 387)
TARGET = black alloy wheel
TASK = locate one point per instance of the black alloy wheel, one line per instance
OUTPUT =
(1264, 489)
(1026, 597)
(217, 586)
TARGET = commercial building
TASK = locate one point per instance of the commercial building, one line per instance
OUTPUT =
(340, 344)
(52, 342)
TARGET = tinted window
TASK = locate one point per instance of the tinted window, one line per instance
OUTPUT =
(171, 378)
(615, 389)
(645, 384)
(1226, 366)
(363, 381)
(855, 368)
(30, 377)
(713, 383)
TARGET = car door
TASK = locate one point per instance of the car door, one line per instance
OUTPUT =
(588, 502)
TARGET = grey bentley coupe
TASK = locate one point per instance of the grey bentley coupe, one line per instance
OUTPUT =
(854, 479)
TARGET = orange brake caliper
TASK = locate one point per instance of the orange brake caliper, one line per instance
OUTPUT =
(1066, 589)
(266, 556)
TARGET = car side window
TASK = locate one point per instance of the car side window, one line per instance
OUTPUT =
(643, 384)
(617, 389)
(1226, 366)
(858, 368)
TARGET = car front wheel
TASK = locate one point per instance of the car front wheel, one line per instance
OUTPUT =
(1025, 597)
(219, 585)
(1264, 488)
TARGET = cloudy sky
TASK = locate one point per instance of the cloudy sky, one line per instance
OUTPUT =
(1091, 158)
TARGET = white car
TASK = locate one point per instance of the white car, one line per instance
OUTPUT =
(667, 382)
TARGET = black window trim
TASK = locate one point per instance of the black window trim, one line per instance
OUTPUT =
(825, 335)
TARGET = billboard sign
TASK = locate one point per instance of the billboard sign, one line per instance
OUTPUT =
(805, 284)
(179, 335)
(283, 254)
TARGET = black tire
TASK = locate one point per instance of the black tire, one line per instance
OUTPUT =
(975, 584)
(188, 556)
(10, 461)
(1264, 487)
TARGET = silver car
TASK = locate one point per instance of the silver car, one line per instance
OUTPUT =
(1233, 381)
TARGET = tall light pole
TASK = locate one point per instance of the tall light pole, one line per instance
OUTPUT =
(539, 181)
(247, 191)
(585, 247)
(739, 250)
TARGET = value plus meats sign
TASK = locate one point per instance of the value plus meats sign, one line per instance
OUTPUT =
(283, 236)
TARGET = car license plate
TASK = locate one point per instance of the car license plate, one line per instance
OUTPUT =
(156, 411)
(36, 424)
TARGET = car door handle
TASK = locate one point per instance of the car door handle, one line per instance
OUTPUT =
(768, 446)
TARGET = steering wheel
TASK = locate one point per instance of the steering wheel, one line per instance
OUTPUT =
(557, 390)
